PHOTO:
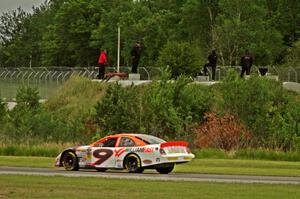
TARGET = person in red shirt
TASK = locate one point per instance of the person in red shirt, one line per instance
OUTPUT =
(102, 64)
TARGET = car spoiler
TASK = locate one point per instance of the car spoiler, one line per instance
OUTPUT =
(174, 143)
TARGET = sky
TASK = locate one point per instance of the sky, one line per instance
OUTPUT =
(7, 5)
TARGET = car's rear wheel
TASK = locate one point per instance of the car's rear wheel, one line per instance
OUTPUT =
(70, 161)
(165, 170)
(133, 164)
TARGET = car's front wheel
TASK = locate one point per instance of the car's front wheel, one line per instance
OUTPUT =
(165, 170)
(133, 164)
(70, 161)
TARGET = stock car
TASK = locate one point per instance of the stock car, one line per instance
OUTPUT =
(133, 152)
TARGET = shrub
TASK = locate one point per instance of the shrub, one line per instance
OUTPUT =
(27, 97)
(162, 108)
(272, 113)
(160, 116)
(119, 110)
(225, 132)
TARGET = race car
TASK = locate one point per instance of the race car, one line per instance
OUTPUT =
(133, 152)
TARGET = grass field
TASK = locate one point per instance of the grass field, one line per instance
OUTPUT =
(211, 166)
(64, 187)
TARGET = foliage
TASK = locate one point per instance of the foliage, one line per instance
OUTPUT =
(293, 57)
(119, 110)
(163, 108)
(271, 112)
(64, 117)
(182, 58)
(170, 108)
(224, 132)
(71, 33)
(237, 30)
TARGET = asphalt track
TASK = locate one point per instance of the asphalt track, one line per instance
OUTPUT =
(151, 175)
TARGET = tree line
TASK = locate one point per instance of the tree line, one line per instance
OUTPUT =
(72, 32)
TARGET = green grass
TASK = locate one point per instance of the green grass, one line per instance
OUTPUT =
(65, 187)
(249, 154)
(44, 150)
(211, 166)
(243, 167)
(15, 161)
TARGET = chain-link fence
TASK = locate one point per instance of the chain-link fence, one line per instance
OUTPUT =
(63, 73)
(285, 74)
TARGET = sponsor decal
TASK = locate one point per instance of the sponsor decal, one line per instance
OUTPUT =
(147, 161)
(141, 150)
(119, 152)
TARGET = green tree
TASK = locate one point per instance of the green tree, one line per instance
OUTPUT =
(182, 58)
(244, 24)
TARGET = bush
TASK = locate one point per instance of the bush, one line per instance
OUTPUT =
(225, 132)
(272, 113)
(119, 110)
(27, 97)
(160, 116)
(163, 108)
(183, 58)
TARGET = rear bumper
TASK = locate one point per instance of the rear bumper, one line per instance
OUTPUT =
(178, 158)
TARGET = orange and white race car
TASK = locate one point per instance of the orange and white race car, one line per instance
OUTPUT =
(133, 152)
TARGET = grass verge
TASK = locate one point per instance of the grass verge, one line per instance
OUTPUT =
(210, 166)
(62, 187)
(249, 154)
(53, 149)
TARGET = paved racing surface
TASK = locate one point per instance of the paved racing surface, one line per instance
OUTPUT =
(151, 175)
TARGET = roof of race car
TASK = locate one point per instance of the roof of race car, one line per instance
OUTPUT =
(146, 139)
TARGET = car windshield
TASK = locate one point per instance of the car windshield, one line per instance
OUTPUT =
(149, 139)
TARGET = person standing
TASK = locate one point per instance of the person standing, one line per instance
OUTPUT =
(102, 64)
(212, 62)
(246, 63)
(135, 55)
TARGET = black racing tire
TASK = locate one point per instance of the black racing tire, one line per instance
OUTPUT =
(101, 169)
(133, 164)
(165, 170)
(70, 161)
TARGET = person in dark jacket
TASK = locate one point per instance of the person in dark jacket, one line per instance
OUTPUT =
(246, 63)
(212, 62)
(135, 55)
(102, 64)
